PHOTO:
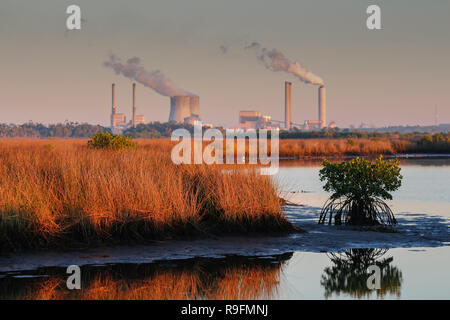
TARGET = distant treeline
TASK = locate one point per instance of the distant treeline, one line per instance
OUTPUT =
(156, 130)
(443, 128)
(337, 133)
(164, 130)
(85, 130)
(60, 130)
(331, 133)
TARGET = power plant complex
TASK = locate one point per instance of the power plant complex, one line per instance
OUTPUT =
(119, 120)
(183, 109)
(255, 120)
(185, 106)
(186, 109)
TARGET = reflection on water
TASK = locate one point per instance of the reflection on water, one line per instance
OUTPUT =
(424, 179)
(348, 274)
(233, 277)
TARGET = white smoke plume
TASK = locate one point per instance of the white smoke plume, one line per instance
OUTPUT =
(275, 60)
(154, 79)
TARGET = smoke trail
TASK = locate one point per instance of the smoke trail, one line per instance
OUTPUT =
(275, 60)
(154, 79)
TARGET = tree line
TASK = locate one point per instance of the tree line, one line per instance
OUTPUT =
(59, 130)
(164, 130)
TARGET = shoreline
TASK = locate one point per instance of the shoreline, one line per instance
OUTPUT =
(186, 232)
(329, 239)
(413, 231)
(369, 156)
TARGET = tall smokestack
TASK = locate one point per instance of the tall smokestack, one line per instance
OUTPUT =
(322, 107)
(287, 104)
(134, 105)
(113, 105)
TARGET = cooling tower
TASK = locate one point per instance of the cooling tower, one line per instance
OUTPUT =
(134, 105)
(322, 107)
(180, 108)
(287, 104)
(195, 106)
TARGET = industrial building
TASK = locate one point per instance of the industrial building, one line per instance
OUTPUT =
(118, 120)
(254, 120)
(139, 119)
(191, 119)
(184, 109)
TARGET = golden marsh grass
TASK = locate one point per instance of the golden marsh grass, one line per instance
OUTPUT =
(55, 193)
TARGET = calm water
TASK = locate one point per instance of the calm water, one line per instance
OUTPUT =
(423, 179)
(326, 263)
(419, 273)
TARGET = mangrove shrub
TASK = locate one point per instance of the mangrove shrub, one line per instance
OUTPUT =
(106, 140)
(359, 188)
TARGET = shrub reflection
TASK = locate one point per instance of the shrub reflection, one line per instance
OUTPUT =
(348, 274)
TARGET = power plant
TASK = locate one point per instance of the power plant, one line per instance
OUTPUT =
(119, 120)
(184, 109)
(185, 106)
(308, 124)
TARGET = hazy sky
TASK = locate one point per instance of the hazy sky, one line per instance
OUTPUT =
(397, 75)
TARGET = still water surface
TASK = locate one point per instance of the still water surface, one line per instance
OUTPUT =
(326, 263)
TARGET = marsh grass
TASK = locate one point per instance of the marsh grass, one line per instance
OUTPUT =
(295, 148)
(60, 193)
(336, 147)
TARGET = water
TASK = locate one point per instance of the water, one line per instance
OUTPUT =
(423, 179)
(327, 262)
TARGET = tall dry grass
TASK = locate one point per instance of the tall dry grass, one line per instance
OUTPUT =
(336, 147)
(55, 193)
(343, 147)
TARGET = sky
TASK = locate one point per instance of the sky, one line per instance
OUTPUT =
(395, 76)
